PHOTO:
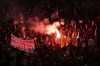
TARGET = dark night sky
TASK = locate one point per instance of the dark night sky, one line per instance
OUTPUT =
(65, 7)
(50, 3)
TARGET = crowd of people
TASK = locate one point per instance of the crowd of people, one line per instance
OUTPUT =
(76, 46)
(72, 31)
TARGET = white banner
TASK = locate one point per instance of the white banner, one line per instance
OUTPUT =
(24, 45)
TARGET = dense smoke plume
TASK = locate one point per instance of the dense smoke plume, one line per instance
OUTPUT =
(44, 27)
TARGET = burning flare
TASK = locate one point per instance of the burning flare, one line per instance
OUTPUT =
(53, 29)
(46, 29)
(58, 34)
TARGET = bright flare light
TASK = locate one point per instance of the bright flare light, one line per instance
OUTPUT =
(53, 29)
(58, 34)
(50, 29)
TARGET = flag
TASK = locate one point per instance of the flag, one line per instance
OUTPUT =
(62, 21)
(54, 15)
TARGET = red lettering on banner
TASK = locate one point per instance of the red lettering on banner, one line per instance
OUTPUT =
(22, 44)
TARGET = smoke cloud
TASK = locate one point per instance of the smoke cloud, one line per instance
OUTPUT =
(44, 27)
(41, 27)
